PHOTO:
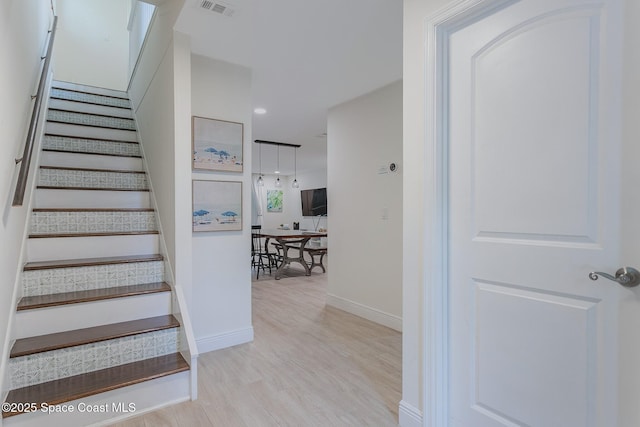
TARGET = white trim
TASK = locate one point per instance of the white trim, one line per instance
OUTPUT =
(389, 320)
(409, 415)
(436, 190)
(224, 340)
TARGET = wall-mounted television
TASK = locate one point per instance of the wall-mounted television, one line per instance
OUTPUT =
(314, 202)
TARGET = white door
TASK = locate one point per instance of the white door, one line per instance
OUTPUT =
(534, 155)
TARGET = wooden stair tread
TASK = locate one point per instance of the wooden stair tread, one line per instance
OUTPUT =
(92, 210)
(51, 150)
(56, 341)
(51, 300)
(89, 262)
(89, 384)
(55, 187)
(101, 234)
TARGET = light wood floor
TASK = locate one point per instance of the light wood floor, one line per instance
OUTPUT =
(309, 365)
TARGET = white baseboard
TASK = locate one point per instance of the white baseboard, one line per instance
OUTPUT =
(409, 415)
(224, 340)
(373, 314)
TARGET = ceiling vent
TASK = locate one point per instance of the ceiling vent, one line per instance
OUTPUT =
(219, 7)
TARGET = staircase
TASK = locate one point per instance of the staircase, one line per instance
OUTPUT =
(95, 324)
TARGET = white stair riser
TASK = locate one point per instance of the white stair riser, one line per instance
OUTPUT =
(70, 144)
(88, 89)
(91, 132)
(42, 321)
(45, 249)
(60, 104)
(145, 396)
(86, 119)
(91, 222)
(56, 364)
(91, 179)
(70, 279)
(50, 198)
(90, 161)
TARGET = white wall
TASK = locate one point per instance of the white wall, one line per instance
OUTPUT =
(92, 46)
(159, 91)
(365, 206)
(23, 30)
(221, 312)
(156, 126)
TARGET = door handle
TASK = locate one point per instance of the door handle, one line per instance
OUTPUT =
(626, 276)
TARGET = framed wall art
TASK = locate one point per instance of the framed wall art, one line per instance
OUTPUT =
(217, 205)
(274, 200)
(217, 144)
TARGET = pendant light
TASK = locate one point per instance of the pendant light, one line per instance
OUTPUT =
(295, 183)
(278, 183)
(260, 180)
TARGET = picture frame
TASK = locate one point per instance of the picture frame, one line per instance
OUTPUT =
(217, 145)
(274, 200)
(217, 205)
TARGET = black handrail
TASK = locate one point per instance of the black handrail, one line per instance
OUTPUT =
(18, 196)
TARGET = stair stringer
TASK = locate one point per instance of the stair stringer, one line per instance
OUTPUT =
(17, 285)
(178, 300)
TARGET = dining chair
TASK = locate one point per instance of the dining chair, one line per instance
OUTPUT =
(260, 258)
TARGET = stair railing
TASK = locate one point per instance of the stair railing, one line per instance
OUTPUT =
(25, 160)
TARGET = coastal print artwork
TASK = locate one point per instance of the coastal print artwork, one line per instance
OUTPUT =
(274, 200)
(217, 144)
(217, 205)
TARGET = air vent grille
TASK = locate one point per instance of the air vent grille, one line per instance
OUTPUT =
(219, 7)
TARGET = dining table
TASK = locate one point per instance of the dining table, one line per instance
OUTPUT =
(291, 240)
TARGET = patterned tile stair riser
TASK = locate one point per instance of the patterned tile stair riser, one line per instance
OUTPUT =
(91, 222)
(90, 120)
(91, 179)
(70, 279)
(80, 145)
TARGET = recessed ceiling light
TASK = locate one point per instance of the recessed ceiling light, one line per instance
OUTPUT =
(260, 111)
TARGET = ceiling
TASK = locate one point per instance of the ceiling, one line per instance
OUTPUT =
(306, 57)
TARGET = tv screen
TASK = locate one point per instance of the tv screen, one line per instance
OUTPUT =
(314, 202)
